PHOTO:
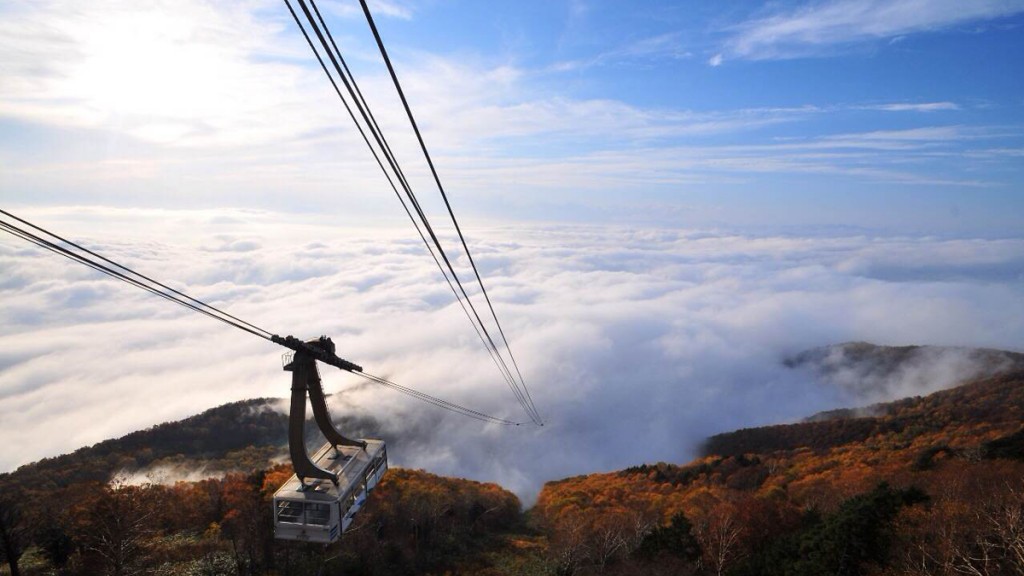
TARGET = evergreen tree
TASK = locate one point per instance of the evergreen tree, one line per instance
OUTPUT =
(676, 539)
(859, 534)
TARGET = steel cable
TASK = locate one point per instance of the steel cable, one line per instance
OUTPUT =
(392, 162)
(94, 260)
(450, 406)
(522, 395)
(368, 117)
(197, 306)
(534, 414)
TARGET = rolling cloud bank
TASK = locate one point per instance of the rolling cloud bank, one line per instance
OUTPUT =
(636, 343)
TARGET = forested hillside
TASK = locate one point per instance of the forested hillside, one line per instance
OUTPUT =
(931, 485)
(414, 523)
(989, 408)
(244, 436)
(239, 434)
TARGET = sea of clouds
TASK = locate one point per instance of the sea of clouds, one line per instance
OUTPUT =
(636, 343)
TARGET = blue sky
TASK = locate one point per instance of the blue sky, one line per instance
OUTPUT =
(903, 116)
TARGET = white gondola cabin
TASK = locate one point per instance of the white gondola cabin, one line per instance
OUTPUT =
(319, 511)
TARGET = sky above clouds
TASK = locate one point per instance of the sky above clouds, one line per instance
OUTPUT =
(901, 115)
(666, 197)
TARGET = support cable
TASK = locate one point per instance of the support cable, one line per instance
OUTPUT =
(265, 333)
(57, 249)
(365, 112)
(405, 103)
(355, 94)
(96, 261)
(450, 406)
(368, 118)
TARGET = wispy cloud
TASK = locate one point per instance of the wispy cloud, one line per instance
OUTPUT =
(910, 107)
(402, 10)
(393, 8)
(189, 75)
(912, 157)
(819, 28)
(667, 46)
(911, 137)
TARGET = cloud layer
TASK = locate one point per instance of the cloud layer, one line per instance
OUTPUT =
(636, 343)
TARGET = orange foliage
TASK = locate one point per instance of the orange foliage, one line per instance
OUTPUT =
(739, 499)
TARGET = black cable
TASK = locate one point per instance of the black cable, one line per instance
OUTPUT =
(382, 141)
(144, 277)
(43, 243)
(450, 406)
(451, 213)
(197, 305)
(392, 162)
(369, 119)
(437, 180)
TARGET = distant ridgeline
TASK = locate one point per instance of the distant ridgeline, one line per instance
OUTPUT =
(865, 370)
(867, 358)
(981, 418)
(987, 399)
(238, 437)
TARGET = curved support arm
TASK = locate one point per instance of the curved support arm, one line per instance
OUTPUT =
(302, 368)
(323, 417)
(306, 380)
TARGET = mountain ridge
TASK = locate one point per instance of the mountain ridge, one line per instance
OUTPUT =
(1004, 410)
(869, 373)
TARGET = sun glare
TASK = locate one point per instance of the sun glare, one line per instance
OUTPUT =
(151, 69)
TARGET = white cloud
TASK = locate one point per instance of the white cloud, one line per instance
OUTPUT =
(920, 372)
(909, 107)
(816, 28)
(636, 343)
(915, 156)
(387, 8)
(663, 46)
(194, 74)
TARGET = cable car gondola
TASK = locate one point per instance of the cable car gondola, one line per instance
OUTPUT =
(341, 473)
(321, 511)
